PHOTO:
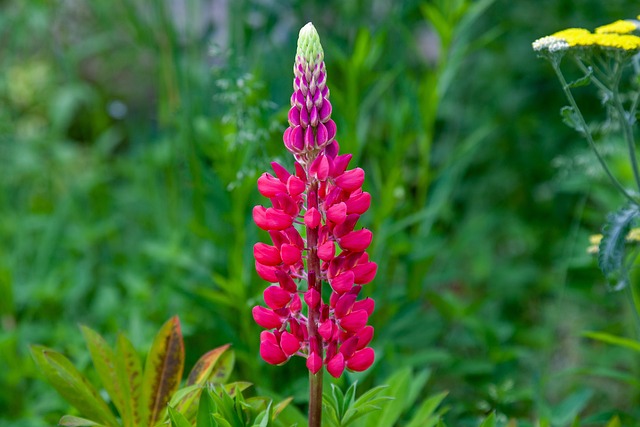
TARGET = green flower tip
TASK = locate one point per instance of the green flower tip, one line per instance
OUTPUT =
(309, 47)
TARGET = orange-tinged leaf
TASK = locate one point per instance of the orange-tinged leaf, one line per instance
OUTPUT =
(103, 359)
(129, 371)
(203, 367)
(162, 371)
(72, 385)
(280, 407)
(222, 369)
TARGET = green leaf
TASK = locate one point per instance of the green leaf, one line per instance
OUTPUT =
(349, 397)
(571, 119)
(203, 368)
(417, 384)
(162, 371)
(615, 422)
(103, 359)
(399, 388)
(569, 408)
(424, 415)
(611, 254)
(71, 421)
(330, 412)
(129, 371)
(490, 421)
(582, 81)
(370, 401)
(614, 340)
(226, 405)
(186, 399)
(72, 385)
(177, 419)
(280, 407)
(223, 368)
(264, 418)
(222, 422)
(338, 399)
(237, 387)
(206, 409)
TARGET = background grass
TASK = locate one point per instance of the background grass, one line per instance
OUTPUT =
(132, 133)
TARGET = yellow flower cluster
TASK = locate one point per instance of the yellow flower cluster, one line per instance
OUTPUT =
(618, 27)
(582, 37)
(612, 36)
(594, 240)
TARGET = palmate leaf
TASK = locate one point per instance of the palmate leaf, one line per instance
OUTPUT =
(162, 371)
(72, 385)
(612, 251)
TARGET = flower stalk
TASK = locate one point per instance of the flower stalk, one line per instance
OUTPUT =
(312, 224)
(606, 51)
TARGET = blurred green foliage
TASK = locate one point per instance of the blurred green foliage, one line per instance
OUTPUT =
(132, 133)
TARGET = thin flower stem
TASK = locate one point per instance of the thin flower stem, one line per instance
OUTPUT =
(626, 126)
(314, 282)
(587, 134)
(594, 79)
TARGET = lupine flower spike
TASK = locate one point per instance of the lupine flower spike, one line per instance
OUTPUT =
(312, 224)
(327, 199)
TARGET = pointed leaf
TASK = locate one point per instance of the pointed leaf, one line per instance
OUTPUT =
(206, 409)
(226, 408)
(177, 419)
(611, 253)
(72, 385)
(204, 366)
(280, 407)
(349, 397)
(571, 119)
(129, 371)
(490, 421)
(399, 388)
(103, 359)
(582, 81)
(264, 418)
(614, 422)
(370, 401)
(186, 399)
(338, 398)
(237, 387)
(71, 421)
(222, 369)
(569, 408)
(614, 340)
(162, 371)
(330, 412)
(424, 416)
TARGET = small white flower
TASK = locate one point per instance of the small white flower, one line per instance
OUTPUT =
(550, 43)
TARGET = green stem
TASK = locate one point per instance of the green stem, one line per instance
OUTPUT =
(315, 399)
(587, 134)
(627, 129)
(314, 282)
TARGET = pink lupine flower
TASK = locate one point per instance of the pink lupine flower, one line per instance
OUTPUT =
(312, 222)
